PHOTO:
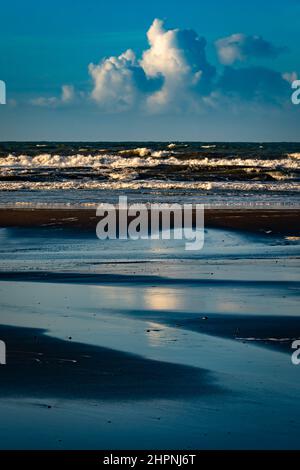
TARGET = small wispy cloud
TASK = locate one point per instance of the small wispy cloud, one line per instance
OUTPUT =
(67, 96)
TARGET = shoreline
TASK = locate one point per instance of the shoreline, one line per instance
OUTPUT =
(284, 221)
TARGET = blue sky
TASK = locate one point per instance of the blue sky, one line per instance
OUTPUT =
(47, 45)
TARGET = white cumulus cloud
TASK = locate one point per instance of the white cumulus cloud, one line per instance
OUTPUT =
(114, 82)
(170, 72)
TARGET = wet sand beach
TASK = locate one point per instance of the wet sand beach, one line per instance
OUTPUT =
(122, 344)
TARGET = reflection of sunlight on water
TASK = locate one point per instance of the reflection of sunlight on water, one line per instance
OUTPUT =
(162, 298)
(149, 298)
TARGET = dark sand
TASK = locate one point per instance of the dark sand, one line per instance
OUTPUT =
(42, 366)
(95, 279)
(286, 221)
(265, 331)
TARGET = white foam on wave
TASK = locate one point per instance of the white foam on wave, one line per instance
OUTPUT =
(120, 183)
(156, 158)
(161, 153)
(277, 175)
(294, 155)
(141, 151)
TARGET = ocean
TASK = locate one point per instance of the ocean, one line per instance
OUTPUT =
(83, 174)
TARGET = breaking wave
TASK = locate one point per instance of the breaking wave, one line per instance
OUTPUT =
(143, 158)
(148, 184)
